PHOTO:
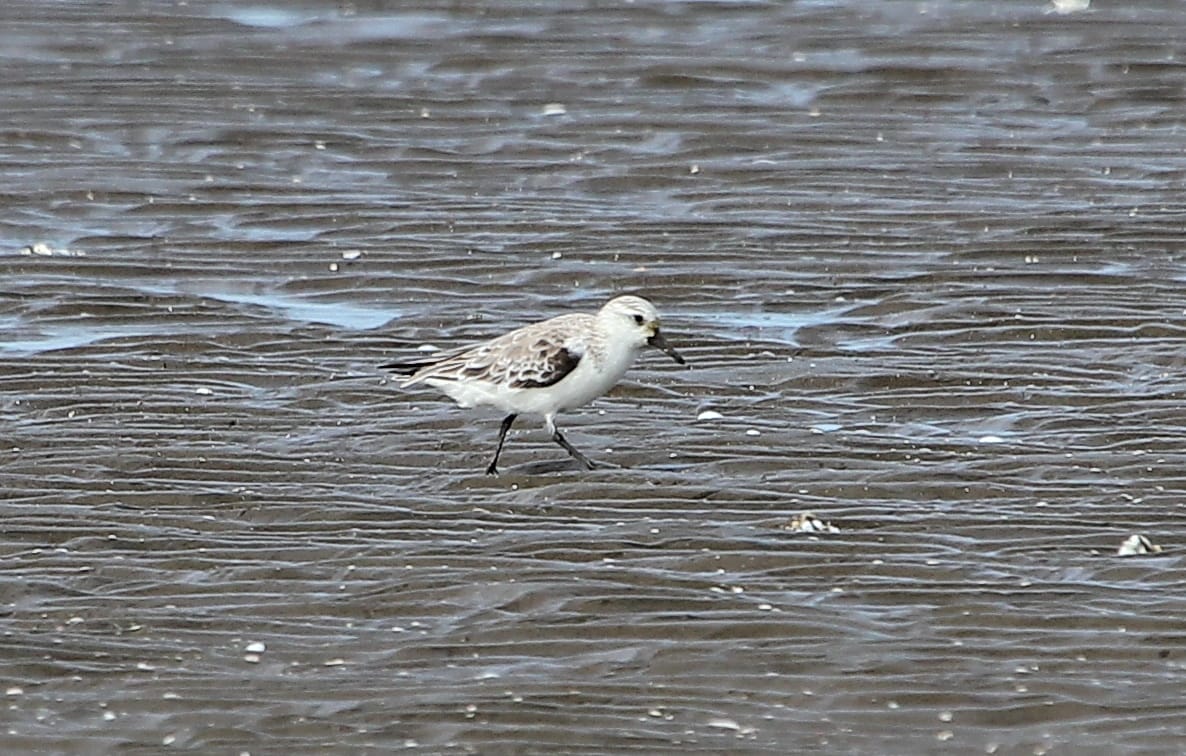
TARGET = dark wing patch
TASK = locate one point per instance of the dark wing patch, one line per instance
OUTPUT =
(553, 364)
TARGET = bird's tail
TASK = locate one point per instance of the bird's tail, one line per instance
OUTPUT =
(412, 365)
(407, 367)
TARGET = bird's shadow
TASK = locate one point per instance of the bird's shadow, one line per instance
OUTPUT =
(546, 467)
(553, 466)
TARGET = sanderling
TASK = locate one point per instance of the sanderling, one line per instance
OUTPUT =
(544, 368)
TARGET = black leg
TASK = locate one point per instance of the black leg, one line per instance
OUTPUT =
(502, 436)
(560, 439)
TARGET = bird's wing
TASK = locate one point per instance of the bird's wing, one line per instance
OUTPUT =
(533, 356)
(549, 365)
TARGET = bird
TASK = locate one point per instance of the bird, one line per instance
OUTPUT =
(544, 368)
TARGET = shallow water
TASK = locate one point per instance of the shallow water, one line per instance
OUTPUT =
(925, 260)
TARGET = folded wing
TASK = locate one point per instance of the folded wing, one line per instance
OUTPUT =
(535, 356)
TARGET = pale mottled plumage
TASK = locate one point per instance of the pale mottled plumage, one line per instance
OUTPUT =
(545, 368)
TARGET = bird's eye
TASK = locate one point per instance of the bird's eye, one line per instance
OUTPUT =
(639, 320)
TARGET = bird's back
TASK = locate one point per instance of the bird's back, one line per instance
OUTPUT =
(534, 356)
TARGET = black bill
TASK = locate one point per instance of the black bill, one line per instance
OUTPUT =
(658, 342)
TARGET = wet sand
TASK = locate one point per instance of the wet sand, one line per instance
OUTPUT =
(925, 261)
